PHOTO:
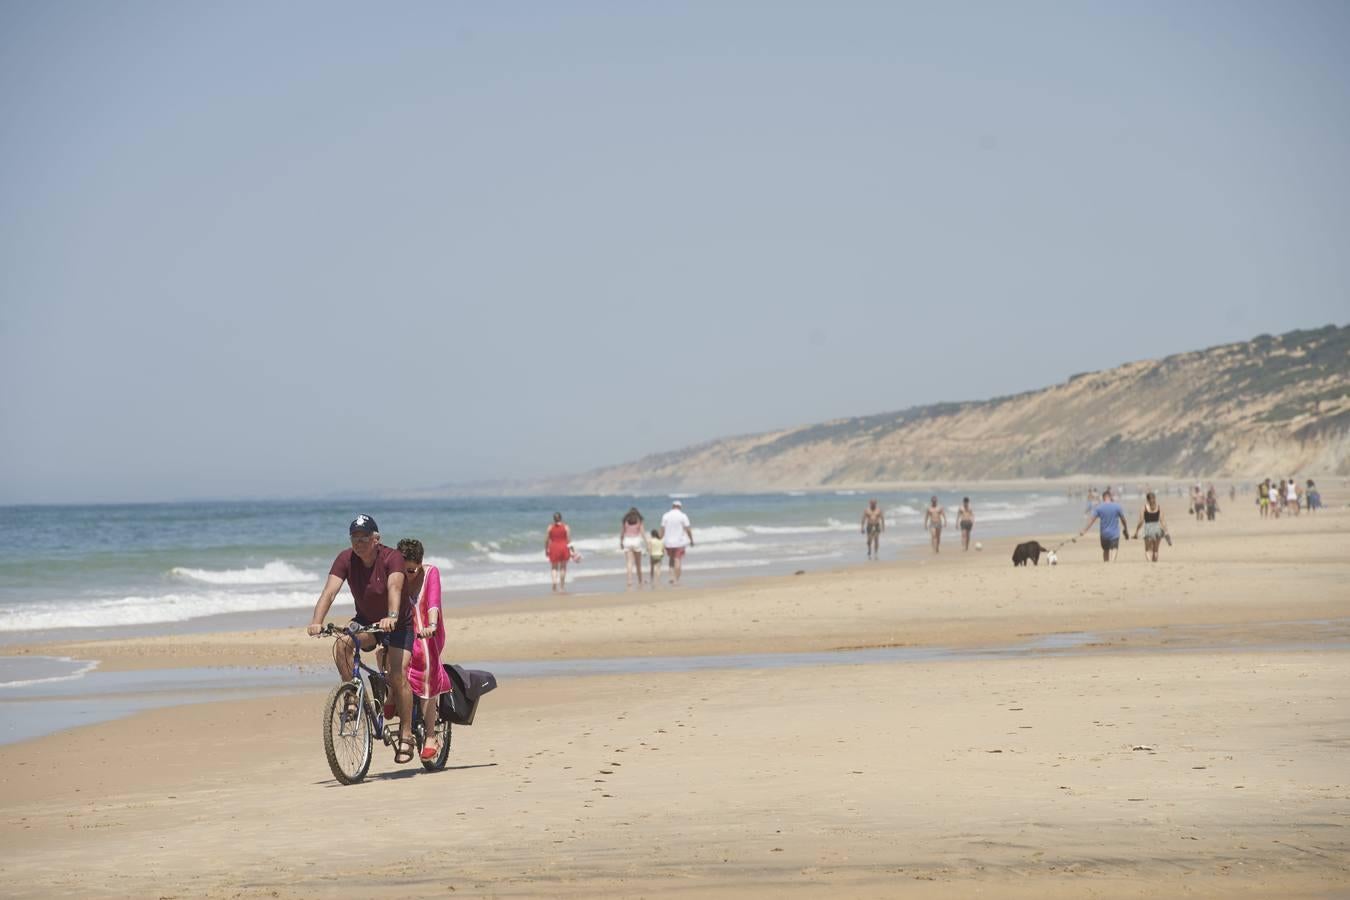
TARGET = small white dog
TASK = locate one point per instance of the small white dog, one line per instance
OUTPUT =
(1052, 558)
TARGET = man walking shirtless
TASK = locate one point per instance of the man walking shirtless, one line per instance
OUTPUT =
(873, 524)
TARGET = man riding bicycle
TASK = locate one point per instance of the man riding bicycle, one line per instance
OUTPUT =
(374, 573)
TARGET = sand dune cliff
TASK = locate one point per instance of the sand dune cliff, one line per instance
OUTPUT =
(1275, 405)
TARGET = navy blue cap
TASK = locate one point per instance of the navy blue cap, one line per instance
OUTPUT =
(362, 522)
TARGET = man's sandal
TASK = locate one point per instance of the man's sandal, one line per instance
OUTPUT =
(403, 750)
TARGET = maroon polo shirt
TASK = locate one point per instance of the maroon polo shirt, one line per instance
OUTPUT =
(370, 585)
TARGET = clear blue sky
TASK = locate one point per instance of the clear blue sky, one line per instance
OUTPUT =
(276, 249)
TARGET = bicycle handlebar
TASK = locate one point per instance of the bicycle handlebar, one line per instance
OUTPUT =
(331, 630)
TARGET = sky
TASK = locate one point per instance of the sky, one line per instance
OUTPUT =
(265, 250)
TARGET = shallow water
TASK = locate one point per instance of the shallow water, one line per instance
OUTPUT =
(72, 695)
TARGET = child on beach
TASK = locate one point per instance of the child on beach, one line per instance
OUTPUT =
(657, 551)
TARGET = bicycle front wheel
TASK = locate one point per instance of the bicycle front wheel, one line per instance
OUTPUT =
(348, 734)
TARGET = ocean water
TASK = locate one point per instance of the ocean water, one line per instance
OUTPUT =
(153, 565)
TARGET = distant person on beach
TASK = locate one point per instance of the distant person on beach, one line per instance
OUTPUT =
(965, 519)
(657, 551)
(1211, 503)
(1154, 524)
(1091, 499)
(873, 524)
(1197, 503)
(677, 535)
(558, 549)
(632, 543)
(374, 574)
(1290, 497)
(934, 519)
(1298, 496)
(1112, 517)
(1314, 497)
(426, 677)
(1263, 498)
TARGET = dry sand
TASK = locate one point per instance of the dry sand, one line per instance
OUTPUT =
(1153, 772)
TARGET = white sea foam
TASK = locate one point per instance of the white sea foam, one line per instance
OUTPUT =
(700, 559)
(138, 610)
(515, 559)
(711, 534)
(591, 545)
(444, 563)
(681, 496)
(830, 525)
(78, 668)
(275, 572)
(1000, 511)
(509, 578)
(609, 545)
(729, 547)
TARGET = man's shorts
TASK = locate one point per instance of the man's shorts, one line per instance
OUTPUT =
(400, 638)
(675, 552)
(1111, 543)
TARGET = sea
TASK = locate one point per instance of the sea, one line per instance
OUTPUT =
(77, 572)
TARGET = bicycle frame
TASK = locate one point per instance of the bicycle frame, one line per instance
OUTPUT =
(366, 691)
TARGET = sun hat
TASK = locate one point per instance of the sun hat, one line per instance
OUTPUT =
(677, 503)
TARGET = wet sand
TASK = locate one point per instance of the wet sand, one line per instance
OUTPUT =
(1154, 773)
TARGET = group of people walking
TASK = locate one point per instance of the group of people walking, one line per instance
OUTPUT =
(934, 520)
(1286, 497)
(667, 543)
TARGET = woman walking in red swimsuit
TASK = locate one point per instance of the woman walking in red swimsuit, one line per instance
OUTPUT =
(558, 549)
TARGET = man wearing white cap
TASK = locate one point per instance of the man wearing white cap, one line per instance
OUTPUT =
(676, 537)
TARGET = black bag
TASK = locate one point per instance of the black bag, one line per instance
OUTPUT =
(460, 703)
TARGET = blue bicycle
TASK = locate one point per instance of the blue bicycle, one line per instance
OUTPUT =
(353, 717)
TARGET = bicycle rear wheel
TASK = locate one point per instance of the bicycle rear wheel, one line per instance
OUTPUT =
(441, 734)
(347, 741)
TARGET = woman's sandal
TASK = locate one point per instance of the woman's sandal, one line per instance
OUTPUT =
(430, 751)
(403, 750)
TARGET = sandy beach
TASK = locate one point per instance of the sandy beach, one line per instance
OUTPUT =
(1195, 745)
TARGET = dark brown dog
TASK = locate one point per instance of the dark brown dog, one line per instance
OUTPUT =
(1031, 550)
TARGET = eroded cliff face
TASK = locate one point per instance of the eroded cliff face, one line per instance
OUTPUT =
(1270, 406)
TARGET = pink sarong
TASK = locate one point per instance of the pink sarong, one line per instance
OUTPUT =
(425, 673)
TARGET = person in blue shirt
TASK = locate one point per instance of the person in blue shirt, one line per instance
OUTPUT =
(1112, 517)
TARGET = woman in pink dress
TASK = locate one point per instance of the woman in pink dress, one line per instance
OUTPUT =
(426, 676)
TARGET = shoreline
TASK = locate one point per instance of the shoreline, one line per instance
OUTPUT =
(922, 600)
(247, 594)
